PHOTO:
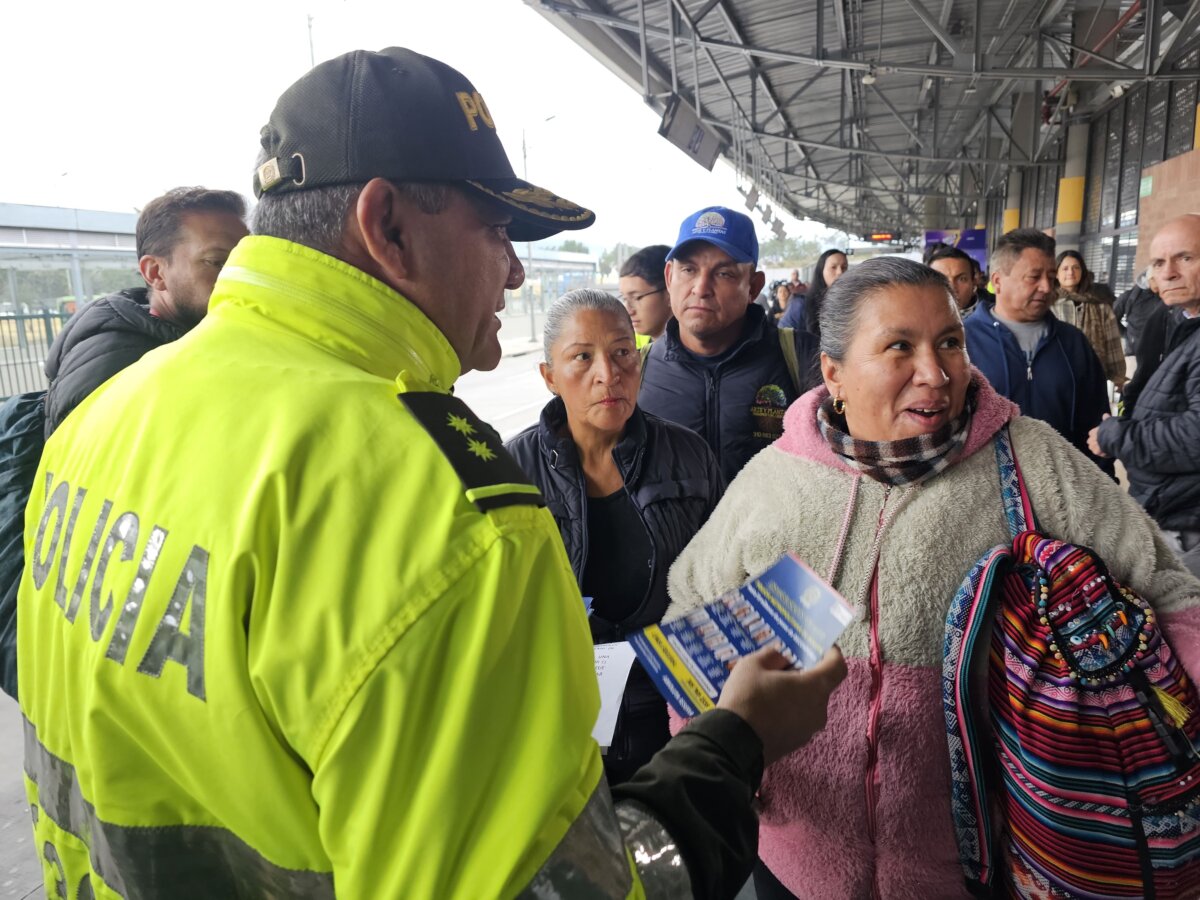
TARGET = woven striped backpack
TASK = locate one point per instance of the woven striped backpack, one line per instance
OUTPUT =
(1075, 765)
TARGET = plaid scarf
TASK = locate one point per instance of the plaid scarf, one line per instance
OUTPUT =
(906, 461)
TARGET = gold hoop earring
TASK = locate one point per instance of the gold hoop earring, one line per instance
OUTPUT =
(839, 406)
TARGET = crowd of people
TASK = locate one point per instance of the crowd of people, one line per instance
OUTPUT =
(302, 625)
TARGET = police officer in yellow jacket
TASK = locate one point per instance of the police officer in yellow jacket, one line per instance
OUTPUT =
(293, 624)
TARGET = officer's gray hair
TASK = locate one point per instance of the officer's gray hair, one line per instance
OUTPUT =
(565, 307)
(317, 217)
(842, 306)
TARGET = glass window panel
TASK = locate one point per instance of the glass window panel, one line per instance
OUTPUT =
(1131, 168)
(1104, 266)
(1090, 249)
(1095, 177)
(1122, 275)
(1155, 135)
(1049, 196)
(1112, 167)
(1029, 198)
(1182, 122)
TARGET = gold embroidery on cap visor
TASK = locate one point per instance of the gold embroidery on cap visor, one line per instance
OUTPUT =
(539, 202)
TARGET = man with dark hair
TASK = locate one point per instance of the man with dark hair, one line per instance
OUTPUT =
(930, 249)
(334, 645)
(183, 240)
(1158, 441)
(644, 292)
(982, 294)
(956, 266)
(1045, 366)
(723, 369)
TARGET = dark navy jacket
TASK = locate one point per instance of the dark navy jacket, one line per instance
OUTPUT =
(1158, 443)
(737, 406)
(1065, 386)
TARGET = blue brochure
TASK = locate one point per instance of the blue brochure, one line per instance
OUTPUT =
(788, 607)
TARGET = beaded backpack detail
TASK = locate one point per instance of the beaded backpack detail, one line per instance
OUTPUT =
(1089, 782)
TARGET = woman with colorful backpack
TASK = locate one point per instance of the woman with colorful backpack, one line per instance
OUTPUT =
(888, 482)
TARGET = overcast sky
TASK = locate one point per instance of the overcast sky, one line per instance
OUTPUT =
(105, 105)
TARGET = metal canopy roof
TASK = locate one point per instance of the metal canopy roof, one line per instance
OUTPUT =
(857, 112)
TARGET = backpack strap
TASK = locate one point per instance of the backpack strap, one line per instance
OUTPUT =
(644, 350)
(1017, 508)
(964, 652)
(787, 343)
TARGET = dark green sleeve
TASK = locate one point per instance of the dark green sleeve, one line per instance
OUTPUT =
(700, 787)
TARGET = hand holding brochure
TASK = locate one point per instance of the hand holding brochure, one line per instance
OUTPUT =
(787, 607)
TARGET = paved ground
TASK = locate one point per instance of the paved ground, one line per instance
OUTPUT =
(20, 872)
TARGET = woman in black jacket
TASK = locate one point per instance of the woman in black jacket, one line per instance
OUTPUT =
(628, 490)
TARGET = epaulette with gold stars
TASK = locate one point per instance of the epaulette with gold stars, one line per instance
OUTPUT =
(491, 477)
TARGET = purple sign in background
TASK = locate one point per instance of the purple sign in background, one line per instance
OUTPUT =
(971, 241)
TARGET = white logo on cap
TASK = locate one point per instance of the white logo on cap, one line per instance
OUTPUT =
(712, 220)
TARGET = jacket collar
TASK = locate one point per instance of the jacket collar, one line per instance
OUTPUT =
(987, 313)
(560, 452)
(1179, 328)
(753, 327)
(802, 437)
(343, 309)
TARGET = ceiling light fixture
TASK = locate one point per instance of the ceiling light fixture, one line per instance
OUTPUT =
(869, 78)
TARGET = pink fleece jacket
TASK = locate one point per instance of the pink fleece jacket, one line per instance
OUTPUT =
(818, 834)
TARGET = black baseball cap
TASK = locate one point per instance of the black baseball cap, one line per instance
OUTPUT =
(399, 115)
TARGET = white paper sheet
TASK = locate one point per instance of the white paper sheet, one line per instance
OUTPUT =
(612, 671)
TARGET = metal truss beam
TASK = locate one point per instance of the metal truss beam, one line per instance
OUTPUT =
(881, 188)
(1083, 51)
(756, 78)
(1034, 73)
(708, 7)
(896, 114)
(1181, 38)
(934, 26)
(860, 151)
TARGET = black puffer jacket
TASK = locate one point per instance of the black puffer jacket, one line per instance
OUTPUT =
(673, 480)
(1133, 311)
(669, 472)
(98, 342)
(736, 405)
(1158, 442)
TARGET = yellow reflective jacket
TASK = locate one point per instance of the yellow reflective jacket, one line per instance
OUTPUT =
(291, 624)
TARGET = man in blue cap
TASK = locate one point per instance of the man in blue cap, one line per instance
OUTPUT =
(722, 368)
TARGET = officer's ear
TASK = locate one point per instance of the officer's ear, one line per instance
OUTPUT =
(151, 269)
(383, 221)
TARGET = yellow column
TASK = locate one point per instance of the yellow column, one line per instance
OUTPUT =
(1070, 200)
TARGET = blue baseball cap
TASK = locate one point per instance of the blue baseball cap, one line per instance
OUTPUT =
(722, 227)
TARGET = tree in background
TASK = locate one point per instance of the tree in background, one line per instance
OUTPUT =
(613, 258)
(797, 252)
(573, 246)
